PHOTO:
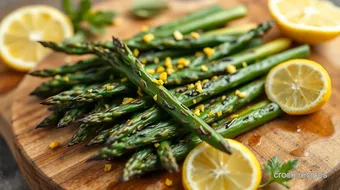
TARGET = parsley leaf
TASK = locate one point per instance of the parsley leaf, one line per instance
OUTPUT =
(86, 22)
(275, 167)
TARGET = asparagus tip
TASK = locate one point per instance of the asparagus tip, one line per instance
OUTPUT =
(61, 125)
(93, 142)
(33, 73)
(125, 177)
(46, 102)
(226, 146)
(95, 157)
(44, 43)
(110, 141)
(41, 126)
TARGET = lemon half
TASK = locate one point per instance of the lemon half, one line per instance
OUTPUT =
(307, 21)
(20, 31)
(208, 168)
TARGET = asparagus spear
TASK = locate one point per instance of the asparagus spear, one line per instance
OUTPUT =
(71, 116)
(139, 163)
(60, 83)
(165, 99)
(188, 42)
(106, 90)
(110, 114)
(196, 41)
(166, 157)
(69, 68)
(50, 120)
(86, 130)
(239, 126)
(165, 130)
(150, 56)
(172, 25)
(214, 87)
(212, 20)
(221, 66)
(68, 95)
(103, 135)
(242, 112)
(232, 31)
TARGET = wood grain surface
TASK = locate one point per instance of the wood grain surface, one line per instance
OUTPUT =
(312, 139)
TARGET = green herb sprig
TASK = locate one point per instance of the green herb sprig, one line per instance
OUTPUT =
(86, 22)
(275, 167)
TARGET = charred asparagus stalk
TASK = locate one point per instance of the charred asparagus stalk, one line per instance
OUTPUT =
(104, 135)
(236, 61)
(106, 90)
(86, 130)
(50, 120)
(188, 42)
(110, 114)
(139, 163)
(166, 156)
(213, 20)
(69, 68)
(69, 95)
(71, 116)
(172, 25)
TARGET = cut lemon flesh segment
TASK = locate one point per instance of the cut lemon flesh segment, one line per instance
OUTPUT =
(208, 168)
(20, 31)
(299, 86)
(308, 21)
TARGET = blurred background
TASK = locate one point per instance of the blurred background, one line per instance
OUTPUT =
(10, 177)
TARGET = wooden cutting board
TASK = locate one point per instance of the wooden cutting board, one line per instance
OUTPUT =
(313, 139)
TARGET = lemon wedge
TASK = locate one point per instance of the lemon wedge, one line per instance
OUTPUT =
(299, 86)
(20, 30)
(307, 21)
(208, 168)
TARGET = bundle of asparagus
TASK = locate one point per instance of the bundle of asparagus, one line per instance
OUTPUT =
(210, 73)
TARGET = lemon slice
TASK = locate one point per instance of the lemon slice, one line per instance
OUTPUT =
(299, 86)
(307, 21)
(208, 168)
(20, 30)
